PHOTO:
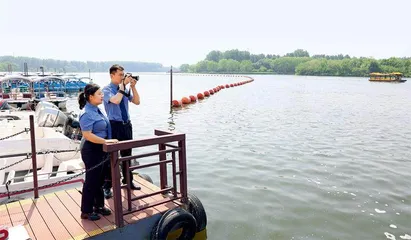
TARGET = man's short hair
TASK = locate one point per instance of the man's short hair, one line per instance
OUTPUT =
(115, 67)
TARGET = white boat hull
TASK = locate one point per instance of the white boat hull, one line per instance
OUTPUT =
(47, 140)
(18, 104)
(59, 102)
(18, 186)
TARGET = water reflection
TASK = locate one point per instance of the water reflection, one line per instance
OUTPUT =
(171, 124)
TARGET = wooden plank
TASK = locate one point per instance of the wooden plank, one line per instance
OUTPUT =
(37, 223)
(90, 227)
(53, 222)
(148, 187)
(103, 223)
(109, 203)
(18, 218)
(141, 214)
(144, 201)
(70, 223)
(4, 216)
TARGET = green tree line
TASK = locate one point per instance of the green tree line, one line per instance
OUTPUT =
(52, 65)
(298, 62)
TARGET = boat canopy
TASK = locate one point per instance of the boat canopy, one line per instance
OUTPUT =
(386, 74)
(15, 79)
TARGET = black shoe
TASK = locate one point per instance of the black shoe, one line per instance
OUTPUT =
(90, 216)
(107, 193)
(103, 211)
(133, 186)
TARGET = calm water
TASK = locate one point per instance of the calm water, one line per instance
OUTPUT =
(289, 157)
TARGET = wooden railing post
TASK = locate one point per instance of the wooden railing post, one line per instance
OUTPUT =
(183, 169)
(115, 176)
(163, 167)
(34, 156)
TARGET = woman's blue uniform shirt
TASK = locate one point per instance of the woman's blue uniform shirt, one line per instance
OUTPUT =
(92, 119)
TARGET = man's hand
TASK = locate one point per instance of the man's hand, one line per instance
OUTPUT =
(127, 80)
(133, 82)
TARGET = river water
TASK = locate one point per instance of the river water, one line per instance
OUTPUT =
(288, 157)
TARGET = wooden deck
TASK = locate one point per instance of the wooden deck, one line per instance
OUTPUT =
(57, 215)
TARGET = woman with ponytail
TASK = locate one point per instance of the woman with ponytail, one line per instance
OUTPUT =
(96, 131)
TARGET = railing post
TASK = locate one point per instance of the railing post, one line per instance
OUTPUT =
(34, 156)
(173, 156)
(163, 167)
(126, 165)
(115, 179)
(183, 169)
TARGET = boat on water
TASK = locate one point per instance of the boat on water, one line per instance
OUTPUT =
(75, 83)
(47, 140)
(50, 89)
(55, 132)
(47, 175)
(46, 114)
(387, 77)
(17, 91)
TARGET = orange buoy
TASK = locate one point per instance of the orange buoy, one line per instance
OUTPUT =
(176, 103)
(215, 90)
(227, 86)
(222, 86)
(200, 96)
(193, 98)
(231, 85)
(206, 93)
(211, 91)
(185, 100)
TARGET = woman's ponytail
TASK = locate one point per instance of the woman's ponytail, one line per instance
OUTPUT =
(82, 100)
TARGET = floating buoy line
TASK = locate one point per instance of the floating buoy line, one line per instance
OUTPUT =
(208, 93)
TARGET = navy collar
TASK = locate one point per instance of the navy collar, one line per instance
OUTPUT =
(91, 107)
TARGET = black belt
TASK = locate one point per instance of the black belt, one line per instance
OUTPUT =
(120, 122)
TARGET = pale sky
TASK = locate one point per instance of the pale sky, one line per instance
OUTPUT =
(183, 31)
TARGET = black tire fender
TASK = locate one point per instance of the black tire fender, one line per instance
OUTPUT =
(196, 208)
(173, 219)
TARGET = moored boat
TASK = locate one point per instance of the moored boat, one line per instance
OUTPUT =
(50, 89)
(17, 91)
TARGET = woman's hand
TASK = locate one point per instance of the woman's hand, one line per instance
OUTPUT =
(111, 141)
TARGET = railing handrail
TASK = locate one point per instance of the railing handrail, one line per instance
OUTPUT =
(128, 144)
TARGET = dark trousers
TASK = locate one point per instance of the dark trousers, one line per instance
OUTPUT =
(92, 196)
(120, 131)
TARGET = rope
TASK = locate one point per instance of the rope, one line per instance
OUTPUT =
(55, 183)
(24, 131)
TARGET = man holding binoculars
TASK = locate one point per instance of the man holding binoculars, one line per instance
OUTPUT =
(116, 98)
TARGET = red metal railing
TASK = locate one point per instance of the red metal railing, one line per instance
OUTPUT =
(163, 140)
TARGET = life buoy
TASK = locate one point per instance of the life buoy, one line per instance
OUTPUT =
(4, 234)
(196, 208)
(172, 220)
